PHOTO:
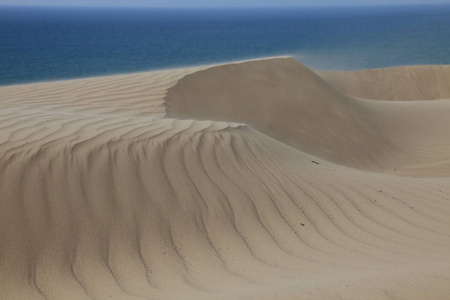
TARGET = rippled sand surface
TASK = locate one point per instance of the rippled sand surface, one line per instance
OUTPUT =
(253, 180)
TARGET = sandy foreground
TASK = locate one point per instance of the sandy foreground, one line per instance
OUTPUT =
(253, 180)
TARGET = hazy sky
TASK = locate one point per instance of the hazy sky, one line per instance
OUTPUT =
(210, 3)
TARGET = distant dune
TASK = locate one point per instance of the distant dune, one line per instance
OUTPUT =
(253, 180)
(400, 83)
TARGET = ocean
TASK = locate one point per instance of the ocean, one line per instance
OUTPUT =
(40, 44)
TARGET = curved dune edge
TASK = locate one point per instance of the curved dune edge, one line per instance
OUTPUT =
(290, 103)
(103, 198)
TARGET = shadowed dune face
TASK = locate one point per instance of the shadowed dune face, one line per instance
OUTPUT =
(103, 198)
(287, 101)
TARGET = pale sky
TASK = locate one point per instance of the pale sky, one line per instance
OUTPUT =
(210, 3)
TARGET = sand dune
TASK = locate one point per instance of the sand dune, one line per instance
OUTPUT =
(287, 101)
(255, 180)
(400, 83)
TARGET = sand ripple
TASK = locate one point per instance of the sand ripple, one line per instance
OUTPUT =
(257, 180)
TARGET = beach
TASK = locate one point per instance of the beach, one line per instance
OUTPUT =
(259, 179)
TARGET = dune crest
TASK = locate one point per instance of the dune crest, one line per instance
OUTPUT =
(256, 180)
(289, 102)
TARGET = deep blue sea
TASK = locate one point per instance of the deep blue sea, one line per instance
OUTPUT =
(38, 44)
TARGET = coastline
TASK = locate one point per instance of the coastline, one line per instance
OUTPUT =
(35, 50)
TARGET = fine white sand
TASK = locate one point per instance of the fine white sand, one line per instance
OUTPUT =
(254, 180)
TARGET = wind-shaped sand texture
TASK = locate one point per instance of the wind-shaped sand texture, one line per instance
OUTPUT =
(253, 180)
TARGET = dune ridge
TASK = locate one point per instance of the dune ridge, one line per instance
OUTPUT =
(287, 101)
(254, 180)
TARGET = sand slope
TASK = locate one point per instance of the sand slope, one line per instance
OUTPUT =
(103, 198)
(399, 83)
(287, 101)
